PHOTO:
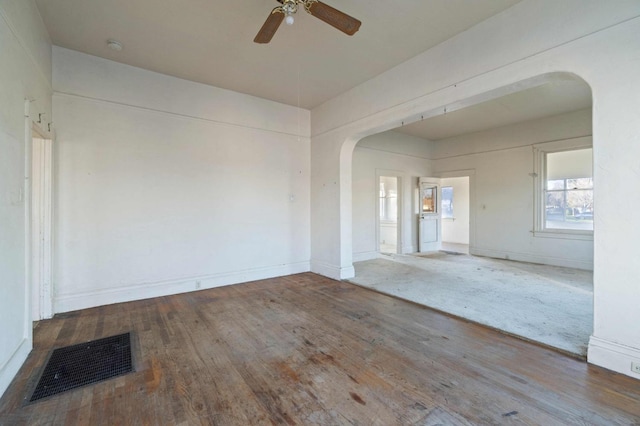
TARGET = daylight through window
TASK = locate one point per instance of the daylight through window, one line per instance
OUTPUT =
(388, 200)
(568, 191)
(447, 202)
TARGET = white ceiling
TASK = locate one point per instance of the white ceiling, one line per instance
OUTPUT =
(211, 41)
(549, 99)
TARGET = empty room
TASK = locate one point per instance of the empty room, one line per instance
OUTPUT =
(189, 191)
(537, 140)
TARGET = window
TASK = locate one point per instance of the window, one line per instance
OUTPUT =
(568, 190)
(388, 199)
(447, 202)
(564, 197)
(429, 199)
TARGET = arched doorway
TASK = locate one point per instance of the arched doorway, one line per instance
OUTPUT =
(510, 189)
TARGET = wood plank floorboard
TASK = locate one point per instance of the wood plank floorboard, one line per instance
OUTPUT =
(305, 350)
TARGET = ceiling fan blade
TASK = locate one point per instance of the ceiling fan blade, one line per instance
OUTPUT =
(334, 17)
(270, 26)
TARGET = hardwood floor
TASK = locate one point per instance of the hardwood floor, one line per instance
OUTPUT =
(305, 349)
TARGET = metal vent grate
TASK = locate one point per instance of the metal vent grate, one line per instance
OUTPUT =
(83, 364)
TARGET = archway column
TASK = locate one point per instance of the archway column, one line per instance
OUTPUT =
(615, 342)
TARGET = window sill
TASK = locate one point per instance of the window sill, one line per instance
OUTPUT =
(564, 234)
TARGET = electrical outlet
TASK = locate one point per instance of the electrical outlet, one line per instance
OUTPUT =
(635, 367)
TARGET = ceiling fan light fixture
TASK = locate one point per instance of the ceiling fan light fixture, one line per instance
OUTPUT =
(289, 19)
(289, 7)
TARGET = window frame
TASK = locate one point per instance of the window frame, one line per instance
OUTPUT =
(540, 152)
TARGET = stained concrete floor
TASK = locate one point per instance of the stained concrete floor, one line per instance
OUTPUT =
(546, 304)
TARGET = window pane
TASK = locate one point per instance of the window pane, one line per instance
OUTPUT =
(580, 200)
(447, 202)
(583, 183)
(580, 206)
(555, 184)
(555, 209)
(575, 213)
(429, 199)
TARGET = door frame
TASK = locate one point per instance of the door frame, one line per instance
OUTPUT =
(471, 174)
(41, 224)
(400, 200)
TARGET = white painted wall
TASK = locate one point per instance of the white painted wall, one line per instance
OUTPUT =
(503, 161)
(166, 186)
(385, 154)
(456, 229)
(25, 74)
(533, 42)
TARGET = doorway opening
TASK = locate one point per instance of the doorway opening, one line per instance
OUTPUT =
(455, 205)
(388, 214)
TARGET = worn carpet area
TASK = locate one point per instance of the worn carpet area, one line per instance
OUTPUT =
(546, 304)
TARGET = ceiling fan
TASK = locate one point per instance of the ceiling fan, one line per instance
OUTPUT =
(324, 12)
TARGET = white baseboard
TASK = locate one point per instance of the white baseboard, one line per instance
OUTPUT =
(332, 271)
(365, 255)
(532, 258)
(72, 302)
(613, 356)
(10, 368)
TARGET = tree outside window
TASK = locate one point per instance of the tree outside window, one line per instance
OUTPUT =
(568, 191)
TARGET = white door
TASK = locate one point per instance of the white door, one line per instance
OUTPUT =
(430, 227)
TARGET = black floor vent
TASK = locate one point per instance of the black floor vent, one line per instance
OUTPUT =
(83, 364)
